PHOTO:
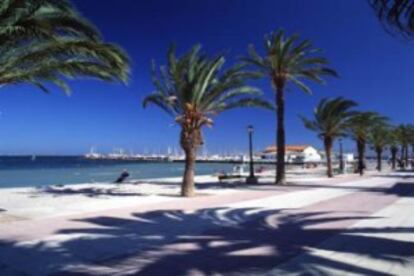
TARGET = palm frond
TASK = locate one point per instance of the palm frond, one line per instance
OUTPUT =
(45, 41)
(288, 60)
(358, 125)
(397, 16)
(330, 117)
(252, 102)
(201, 88)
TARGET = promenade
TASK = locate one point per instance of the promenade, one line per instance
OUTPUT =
(352, 226)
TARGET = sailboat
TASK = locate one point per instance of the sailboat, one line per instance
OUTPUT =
(92, 154)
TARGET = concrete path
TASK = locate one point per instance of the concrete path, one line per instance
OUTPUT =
(361, 227)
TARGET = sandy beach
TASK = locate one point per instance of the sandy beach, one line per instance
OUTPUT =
(59, 200)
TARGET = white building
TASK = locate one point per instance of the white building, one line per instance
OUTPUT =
(294, 153)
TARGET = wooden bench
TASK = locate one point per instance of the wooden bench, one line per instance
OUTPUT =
(222, 177)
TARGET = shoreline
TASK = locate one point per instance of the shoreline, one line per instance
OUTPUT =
(30, 203)
(136, 177)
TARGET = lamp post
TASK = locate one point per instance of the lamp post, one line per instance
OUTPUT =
(341, 157)
(252, 178)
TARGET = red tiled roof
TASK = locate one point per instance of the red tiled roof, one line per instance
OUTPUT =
(291, 148)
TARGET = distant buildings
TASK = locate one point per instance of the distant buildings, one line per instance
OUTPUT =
(298, 154)
(294, 154)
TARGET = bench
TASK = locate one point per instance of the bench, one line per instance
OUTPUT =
(222, 177)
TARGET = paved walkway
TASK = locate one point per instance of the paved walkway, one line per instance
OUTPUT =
(361, 227)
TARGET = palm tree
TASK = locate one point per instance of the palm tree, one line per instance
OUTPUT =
(193, 88)
(46, 41)
(358, 128)
(379, 138)
(329, 122)
(397, 16)
(405, 137)
(393, 146)
(287, 61)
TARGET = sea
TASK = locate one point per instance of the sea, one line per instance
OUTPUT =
(31, 171)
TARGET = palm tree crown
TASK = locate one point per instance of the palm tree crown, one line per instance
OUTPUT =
(379, 135)
(330, 117)
(288, 61)
(358, 126)
(43, 41)
(194, 88)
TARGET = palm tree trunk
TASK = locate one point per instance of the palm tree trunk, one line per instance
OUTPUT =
(361, 156)
(393, 157)
(378, 151)
(402, 157)
(280, 135)
(406, 156)
(412, 157)
(328, 149)
(187, 187)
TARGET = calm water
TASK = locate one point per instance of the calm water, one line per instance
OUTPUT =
(22, 171)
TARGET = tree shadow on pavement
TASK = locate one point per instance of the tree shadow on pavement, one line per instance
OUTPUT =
(402, 189)
(205, 242)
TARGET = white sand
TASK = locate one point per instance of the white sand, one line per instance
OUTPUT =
(35, 203)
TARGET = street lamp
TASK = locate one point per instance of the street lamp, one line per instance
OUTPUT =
(252, 178)
(341, 157)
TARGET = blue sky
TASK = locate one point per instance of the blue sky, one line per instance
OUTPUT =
(376, 70)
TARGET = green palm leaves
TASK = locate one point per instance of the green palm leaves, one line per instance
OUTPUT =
(330, 117)
(404, 136)
(288, 60)
(197, 83)
(359, 127)
(193, 88)
(46, 41)
(396, 15)
(329, 122)
(335, 117)
(379, 135)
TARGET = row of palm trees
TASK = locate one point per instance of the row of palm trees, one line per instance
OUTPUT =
(335, 118)
(400, 139)
(193, 88)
